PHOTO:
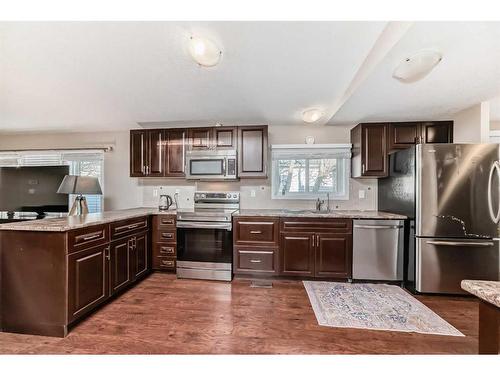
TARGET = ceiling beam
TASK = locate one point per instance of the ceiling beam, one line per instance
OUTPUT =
(392, 34)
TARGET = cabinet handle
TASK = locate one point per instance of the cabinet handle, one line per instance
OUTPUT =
(167, 221)
(167, 235)
(133, 226)
(363, 168)
(93, 237)
(142, 153)
(107, 254)
(159, 156)
(317, 240)
(255, 261)
(255, 232)
(166, 250)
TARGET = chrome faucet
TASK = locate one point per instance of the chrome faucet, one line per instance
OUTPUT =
(319, 203)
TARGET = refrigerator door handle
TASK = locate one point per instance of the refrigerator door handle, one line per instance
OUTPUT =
(460, 243)
(494, 168)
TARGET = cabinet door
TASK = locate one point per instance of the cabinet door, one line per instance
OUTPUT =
(437, 132)
(120, 274)
(138, 152)
(225, 138)
(140, 253)
(200, 138)
(374, 150)
(403, 134)
(87, 280)
(156, 155)
(175, 153)
(333, 255)
(252, 151)
(297, 254)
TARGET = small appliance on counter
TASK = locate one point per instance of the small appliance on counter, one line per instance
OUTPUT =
(165, 202)
(205, 237)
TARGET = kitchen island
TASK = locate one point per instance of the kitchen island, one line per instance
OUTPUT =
(56, 271)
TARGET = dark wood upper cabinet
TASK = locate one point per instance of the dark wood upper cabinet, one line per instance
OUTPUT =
(225, 138)
(174, 163)
(369, 153)
(252, 151)
(87, 280)
(297, 254)
(156, 153)
(200, 138)
(333, 255)
(437, 132)
(403, 134)
(138, 152)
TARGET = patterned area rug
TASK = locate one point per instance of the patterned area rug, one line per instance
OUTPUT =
(373, 306)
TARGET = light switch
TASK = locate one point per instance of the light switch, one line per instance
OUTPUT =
(362, 194)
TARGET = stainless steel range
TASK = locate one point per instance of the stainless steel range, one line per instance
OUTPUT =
(205, 237)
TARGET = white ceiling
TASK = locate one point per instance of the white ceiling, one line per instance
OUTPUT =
(113, 75)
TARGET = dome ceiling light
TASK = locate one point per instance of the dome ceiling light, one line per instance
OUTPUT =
(204, 51)
(312, 115)
(417, 66)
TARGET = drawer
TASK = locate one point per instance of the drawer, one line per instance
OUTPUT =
(255, 261)
(161, 249)
(84, 238)
(126, 227)
(166, 235)
(164, 263)
(256, 231)
(164, 221)
(316, 225)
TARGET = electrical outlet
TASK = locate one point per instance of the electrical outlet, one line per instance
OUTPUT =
(252, 193)
(362, 194)
(155, 192)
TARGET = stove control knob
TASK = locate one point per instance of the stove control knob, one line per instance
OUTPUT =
(235, 196)
(203, 196)
(228, 195)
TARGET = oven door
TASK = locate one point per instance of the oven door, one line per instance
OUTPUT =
(205, 167)
(204, 242)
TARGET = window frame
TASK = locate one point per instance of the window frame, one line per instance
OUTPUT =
(325, 151)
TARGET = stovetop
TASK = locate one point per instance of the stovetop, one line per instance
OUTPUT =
(212, 207)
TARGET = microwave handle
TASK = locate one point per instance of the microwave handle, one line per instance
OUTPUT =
(224, 167)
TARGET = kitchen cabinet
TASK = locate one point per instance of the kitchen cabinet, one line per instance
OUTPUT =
(164, 243)
(316, 247)
(120, 264)
(175, 153)
(369, 152)
(225, 138)
(87, 280)
(405, 134)
(220, 137)
(255, 245)
(297, 254)
(200, 138)
(372, 142)
(147, 153)
(333, 255)
(140, 255)
(252, 151)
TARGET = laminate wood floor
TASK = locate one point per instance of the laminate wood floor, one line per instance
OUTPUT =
(163, 315)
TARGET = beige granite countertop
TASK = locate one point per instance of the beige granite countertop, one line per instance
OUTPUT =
(67, 223)
(349, 214)
(488, 291)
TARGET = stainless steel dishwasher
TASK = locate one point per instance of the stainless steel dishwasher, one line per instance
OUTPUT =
(378, 247)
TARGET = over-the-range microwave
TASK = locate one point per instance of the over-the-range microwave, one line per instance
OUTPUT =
(211, 165)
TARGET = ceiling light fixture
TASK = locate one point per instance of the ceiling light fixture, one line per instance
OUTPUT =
(204, 51)
(312, 115)
(417, 66)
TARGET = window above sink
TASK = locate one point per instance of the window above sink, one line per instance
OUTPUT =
(310, 171)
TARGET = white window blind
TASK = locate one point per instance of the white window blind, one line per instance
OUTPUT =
(311, 171)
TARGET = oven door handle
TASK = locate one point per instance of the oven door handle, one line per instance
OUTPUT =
(203, 225)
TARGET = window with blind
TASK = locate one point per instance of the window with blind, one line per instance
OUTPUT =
(81, 163)
(310, 171)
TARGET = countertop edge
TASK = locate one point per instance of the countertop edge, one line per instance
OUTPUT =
(488, 291)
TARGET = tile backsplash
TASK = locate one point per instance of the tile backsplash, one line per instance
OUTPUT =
(256, 194)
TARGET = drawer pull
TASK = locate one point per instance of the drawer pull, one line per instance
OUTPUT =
(255, 232)
(92, 237)
(255, 261)
(133, 226)
(167, 221)
(167, 235)
(167, 263)
(167, 250)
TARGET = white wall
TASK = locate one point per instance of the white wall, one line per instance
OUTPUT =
(472, 125)
(121, 191)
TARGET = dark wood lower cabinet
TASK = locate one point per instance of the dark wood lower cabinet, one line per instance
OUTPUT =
(120, 264)
(141, 258)
(87, 281)
(333, 255)
(297, 254)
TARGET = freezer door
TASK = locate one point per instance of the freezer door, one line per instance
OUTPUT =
(441, 264)
(457, 190)
(378, 250)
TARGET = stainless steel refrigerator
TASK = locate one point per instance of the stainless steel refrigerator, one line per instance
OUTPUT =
(451, 193)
